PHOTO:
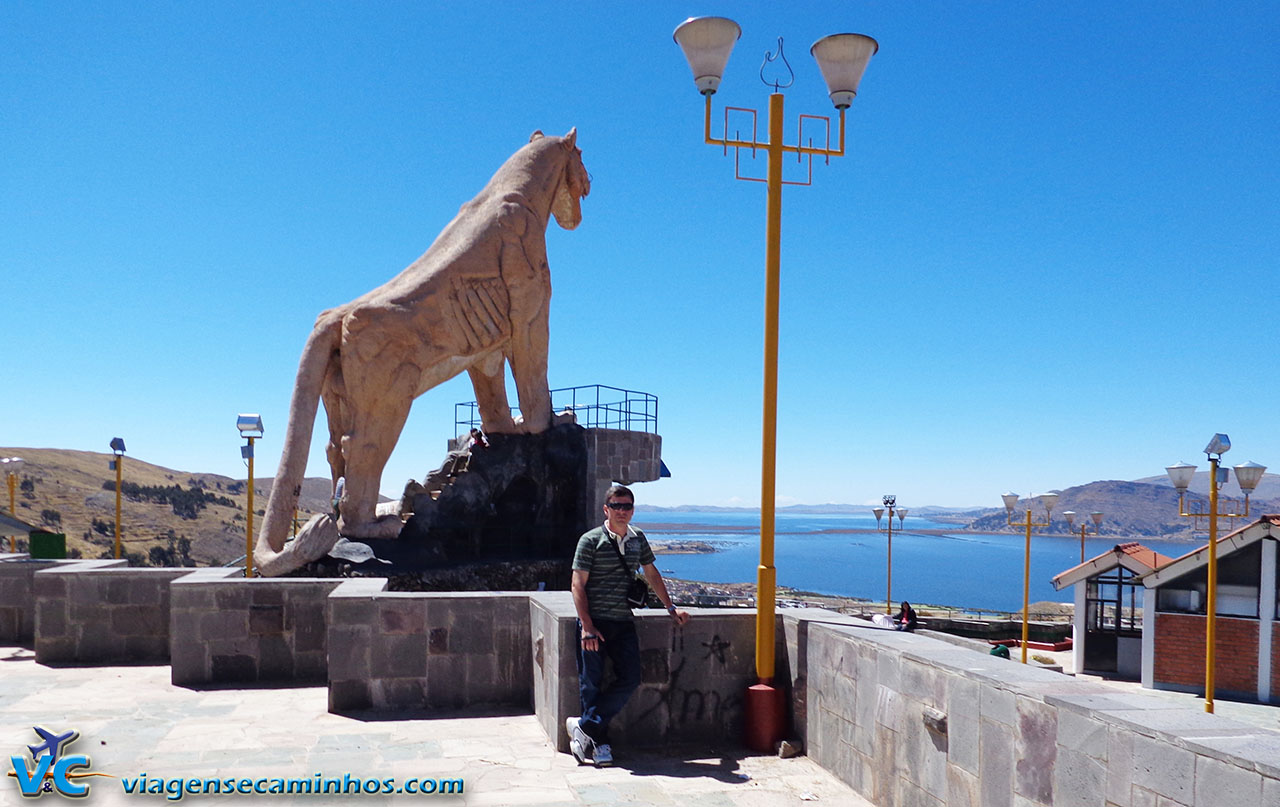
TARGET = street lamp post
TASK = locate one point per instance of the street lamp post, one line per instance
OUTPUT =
(1248, 475)
(117, 464)
(1070, 516)
(250, 427)
(891, 504)
(11, 465)
(842, 58)
(1049, 500)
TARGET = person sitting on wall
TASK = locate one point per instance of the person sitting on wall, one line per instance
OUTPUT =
(906, 618)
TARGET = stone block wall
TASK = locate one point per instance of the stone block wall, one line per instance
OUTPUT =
(908, 720)
(1179, 654)
(228, 629)
(693, 678)
(17, 593)
(426, 650)
(103, 615)
(622, 456)
(553, 634)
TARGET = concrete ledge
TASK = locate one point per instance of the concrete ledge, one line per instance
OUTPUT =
(95, 614)
(17, 592)
(907, 719)
(693, 679)
(225, 628)
(427, 650)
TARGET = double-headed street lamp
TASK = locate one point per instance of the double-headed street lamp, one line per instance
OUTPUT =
(1248, 475)
(117, 465)
(842, 58)
(10, 466)
(250, 428)
(1049, 500)
(891, 504)
(1070, 516)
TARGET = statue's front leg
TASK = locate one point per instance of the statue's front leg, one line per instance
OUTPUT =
(524, 268)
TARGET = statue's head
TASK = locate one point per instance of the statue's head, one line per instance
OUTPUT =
(574, 184)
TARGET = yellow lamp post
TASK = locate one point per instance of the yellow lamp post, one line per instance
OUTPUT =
(1248, 475)
(250, 427)
(842, 58)
(1049, 500)
(11, 465)
(1070, 516)
(891, 504)
(117, 465)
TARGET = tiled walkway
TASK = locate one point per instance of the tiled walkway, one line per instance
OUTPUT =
(133, 721)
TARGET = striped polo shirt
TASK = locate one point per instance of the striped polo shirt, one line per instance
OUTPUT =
(608, 581)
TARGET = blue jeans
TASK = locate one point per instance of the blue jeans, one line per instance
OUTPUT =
(622, 647)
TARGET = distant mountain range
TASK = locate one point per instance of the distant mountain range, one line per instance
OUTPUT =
(1143, 508)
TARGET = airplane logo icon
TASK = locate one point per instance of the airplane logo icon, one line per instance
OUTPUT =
(53, 744)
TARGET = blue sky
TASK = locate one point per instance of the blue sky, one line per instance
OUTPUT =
(1046, 259)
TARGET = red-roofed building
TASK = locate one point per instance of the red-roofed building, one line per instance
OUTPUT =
(1247, 657)
(1107, 634)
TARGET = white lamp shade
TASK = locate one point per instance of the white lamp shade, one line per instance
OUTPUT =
(1070, 516)
(1249, 475)
(879, 511)
(1097, 518)
(1049, 500)
(1181, 475)
(843, 59)
(707, 43)
(902, 513)
(1010, 501)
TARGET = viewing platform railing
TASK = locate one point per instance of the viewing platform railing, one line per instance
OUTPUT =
(597, 406)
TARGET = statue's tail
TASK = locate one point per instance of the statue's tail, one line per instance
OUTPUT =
(320, 350)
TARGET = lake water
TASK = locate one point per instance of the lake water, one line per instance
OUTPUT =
(970, 570)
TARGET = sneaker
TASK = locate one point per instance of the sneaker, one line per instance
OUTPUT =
(604, 755)
(580, 744)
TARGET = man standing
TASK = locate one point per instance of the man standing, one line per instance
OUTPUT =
(602, 571)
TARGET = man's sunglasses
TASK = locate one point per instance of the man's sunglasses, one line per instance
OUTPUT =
(620, 506)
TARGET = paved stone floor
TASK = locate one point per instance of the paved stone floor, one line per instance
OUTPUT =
(133, 721)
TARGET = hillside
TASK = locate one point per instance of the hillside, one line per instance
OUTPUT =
(1129, 509)
(63, 491)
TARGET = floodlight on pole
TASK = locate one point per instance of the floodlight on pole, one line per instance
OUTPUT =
(117, 448)
(250, 428)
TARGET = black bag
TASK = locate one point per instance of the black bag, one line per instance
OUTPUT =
(638, 589)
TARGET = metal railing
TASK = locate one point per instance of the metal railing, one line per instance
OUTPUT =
(597, 406)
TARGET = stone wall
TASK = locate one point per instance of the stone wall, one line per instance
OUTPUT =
(228, 629)
(908, 720)
(693, 678)
(617, 455)
(17, 593)
(423, 650)
(103, 615)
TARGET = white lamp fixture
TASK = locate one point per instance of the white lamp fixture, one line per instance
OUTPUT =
(707, 43)
(843, 59)
(1070, 516)
(1181, 475)
(1248, 475)
(1010, 501)
(1049, 500)
(1097, 518)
